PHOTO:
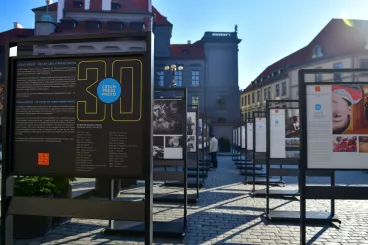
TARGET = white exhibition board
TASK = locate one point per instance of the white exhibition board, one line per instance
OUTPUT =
(337, 131)
(238, 138)
(277, 133)
(234, 135)
(243, 141)
(260, 128)
(250, 136)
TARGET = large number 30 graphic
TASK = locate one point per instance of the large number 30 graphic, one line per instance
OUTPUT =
(128, 108)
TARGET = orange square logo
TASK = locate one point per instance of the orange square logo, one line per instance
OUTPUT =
(317, 89)
(43, 159)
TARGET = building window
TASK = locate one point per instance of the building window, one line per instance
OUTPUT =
(269, 93)
(115, 25)
(91, 25)
(115, 6)
(195, 78)
(363, 63)
(195, 100)
(265, 94)
(248, 99)
(160, 78)
(318, 76)
(317, 51)
(337, 75)
(78, 4)
(258, 95)
(220, 102)
(277, 90)
(253, 98)
(283, 89)
(178, 77)
(242, 101)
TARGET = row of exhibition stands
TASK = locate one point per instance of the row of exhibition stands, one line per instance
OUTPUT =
(180, 160)
(266, 150)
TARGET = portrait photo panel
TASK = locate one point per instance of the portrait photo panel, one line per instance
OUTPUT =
(349, 109)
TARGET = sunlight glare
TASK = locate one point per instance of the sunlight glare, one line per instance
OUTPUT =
(344, 17)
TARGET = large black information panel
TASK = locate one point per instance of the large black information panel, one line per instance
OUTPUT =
(79, 116)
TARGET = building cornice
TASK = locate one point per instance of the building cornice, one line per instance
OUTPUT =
(304, 65)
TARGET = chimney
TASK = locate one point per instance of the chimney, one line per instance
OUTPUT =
(17, 25)
(106, 5)
(60, 10)
(149, 3)
(87, 4)
(189, 42)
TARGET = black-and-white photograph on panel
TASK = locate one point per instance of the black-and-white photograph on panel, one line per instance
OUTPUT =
(191, 123)
(168, 126)
(168, 116)
(173, 147)
(191, 144)
(191, 131)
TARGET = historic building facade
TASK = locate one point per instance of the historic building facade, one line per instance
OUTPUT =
(340, 44)
(210, 65)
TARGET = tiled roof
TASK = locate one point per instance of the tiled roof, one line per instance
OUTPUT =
(193, 51)
(127, 6)
(15, 33)
(335, 39)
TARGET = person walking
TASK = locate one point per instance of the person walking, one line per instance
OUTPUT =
(213, 150)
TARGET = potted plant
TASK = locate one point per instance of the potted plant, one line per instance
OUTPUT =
(27, 226)
(63, 189)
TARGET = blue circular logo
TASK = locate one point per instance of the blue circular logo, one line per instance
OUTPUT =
(277, 121)
(318, 107)
(109, 90)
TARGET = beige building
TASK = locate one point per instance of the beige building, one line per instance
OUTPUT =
(338, 45)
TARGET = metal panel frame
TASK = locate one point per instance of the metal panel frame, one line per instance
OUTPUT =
(320, 192)
(14, 205)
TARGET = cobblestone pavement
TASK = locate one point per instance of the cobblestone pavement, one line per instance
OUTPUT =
(226, 214)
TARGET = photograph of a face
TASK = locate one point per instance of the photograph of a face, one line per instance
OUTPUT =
(173, 147)
(158, 147)
(363, 144)
(191, 123)
(292, 127)
(349, 109)
(191, 144)
(168, 117)
(342, 143)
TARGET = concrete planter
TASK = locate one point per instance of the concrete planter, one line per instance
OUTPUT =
(65, 194)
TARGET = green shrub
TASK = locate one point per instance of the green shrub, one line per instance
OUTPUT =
(33, 186)
(224, 145)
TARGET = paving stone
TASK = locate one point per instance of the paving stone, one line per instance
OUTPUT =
(227, 214)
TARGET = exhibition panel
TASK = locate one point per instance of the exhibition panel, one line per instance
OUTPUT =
(67, 115)
(333, 132)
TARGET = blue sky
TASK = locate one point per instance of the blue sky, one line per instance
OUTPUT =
(269, 29)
